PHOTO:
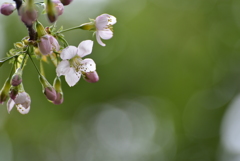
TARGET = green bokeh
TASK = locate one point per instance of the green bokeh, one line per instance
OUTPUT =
(182, 56)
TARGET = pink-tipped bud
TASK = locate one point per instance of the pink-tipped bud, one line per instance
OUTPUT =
(48, 44)
(13, 92)
(59, 99)
(58, 88)
(51, 11)
(91, 77)
(28, 14)
(48, 89)
(66, 2)
(17, 77)
(7, 8)
(50, 93)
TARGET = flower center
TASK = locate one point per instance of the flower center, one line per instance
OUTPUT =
(75, 63)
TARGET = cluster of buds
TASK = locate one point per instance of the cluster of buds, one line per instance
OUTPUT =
(48, 44)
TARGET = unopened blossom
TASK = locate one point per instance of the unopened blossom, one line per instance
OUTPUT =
(51, 11)
(28, 12)
(72, 65)
(103, 25)
(17, 77)
(91, 77)
(48, 89)
(66, 2)
(59, 93)
(58, 6)
(7, 8)
(48, 44)
(22, 103)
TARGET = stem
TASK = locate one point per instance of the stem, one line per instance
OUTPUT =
(31, 32)
(69, 29)
(34, 65)
(23, 62)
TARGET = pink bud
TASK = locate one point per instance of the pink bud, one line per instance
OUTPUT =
(47, 44)
(50, 93)
(28, 15)
(66, 2)
(91, 77)
(13, 93)
(59, 7)
(17, 77)
(59, 99)
(7, 8)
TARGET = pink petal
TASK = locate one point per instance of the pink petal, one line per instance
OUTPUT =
(102, 21)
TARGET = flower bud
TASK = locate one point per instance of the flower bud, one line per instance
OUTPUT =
(28, 13)
(17, 77)
(7, 8)
(58, 6)
(48, 44)
(13, 92)
(48, 90)
(91, 77)
(40, 29)
(58, 88)
(4, 91)
(51, 11)
(66, 2)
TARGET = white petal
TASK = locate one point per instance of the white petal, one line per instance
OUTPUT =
(22, 109)
(102, 21)
(88, 65)
(72, 77)
(99, 39)
(63, 68)
(10, 105)
(112, 20)
(106, 34)
(69, 52)
(85, 48)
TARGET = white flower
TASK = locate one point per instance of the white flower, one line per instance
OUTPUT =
(72, 65)
(103, 25)
(22, 102)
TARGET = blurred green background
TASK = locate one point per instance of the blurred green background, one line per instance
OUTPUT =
(168, 89)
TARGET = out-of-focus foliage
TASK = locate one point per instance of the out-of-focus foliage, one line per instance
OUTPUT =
(166, 79)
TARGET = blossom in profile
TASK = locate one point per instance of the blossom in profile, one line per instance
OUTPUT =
(104, 29)
(22, 102)
(72, 65)
(7, 8)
